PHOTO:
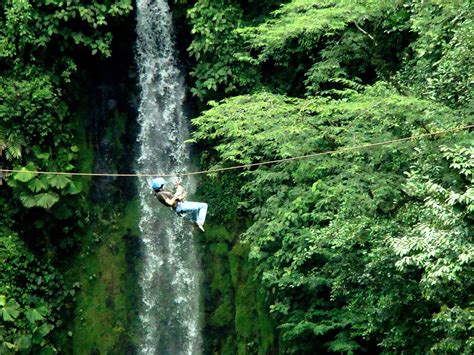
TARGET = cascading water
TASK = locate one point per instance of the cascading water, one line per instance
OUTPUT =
(170, 277)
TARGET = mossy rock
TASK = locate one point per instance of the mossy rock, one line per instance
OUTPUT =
(228, 348)
(219, 249)
(221, 281)
(217, 233)
(223, 315)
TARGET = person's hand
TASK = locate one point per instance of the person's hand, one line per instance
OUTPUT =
(180, 193)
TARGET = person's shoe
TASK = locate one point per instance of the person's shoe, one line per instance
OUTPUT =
(200, 226)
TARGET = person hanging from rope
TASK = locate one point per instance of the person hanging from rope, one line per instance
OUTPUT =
(177, 201)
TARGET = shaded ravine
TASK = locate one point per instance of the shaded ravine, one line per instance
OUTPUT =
(170, 276)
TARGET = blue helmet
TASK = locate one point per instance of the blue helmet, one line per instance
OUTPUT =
(157, 183)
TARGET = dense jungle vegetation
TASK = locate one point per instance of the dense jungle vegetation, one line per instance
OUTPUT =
(54, 293)
(367, 250)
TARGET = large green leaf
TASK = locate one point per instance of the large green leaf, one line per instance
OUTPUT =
(24, 174)
(43, 310)
(28, 200)
(75, 187)
(46, 199)
(23, 341)
(9, 309)
(38, 184)
(45, 329)
(33, 315)
(59, 181)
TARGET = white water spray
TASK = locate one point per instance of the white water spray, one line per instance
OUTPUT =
(170, 277)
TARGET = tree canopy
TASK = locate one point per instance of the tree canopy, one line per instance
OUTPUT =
(366, 250)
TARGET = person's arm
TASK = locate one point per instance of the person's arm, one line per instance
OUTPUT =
(168, 198)
(171, 201)
(180, 193)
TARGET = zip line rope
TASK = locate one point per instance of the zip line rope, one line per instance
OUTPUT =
(243, 166)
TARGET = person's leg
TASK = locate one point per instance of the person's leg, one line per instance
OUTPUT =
(198, 210)
(202, 212)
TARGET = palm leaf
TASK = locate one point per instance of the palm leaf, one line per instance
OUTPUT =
(12, 143)
(59, 181)
(33, 315)
(74, 187)
(9, 309)
(46, 199)
(23, 341)
(27, 200)
(38, 184)
(25, 174)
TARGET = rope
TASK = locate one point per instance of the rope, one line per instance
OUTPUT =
(243, 166)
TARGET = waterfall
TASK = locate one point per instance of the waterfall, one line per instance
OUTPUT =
(170, 277)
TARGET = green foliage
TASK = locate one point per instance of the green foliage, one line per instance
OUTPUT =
(307, 21)
(32, 298)
(29, 105)
(365, 249)
(30, 30)
(222, 189)
(37, 190)
(369, 250)
(236, 317)
(39, 47)
(12, 142)
(438, 243)
(213, 24)
(42, 45)
(44, 200)
(9, 309)
(303, 47)
(25, 341)
(324, 229)
(33, 107)
(442, 66)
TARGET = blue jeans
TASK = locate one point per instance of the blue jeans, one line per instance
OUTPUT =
(197, 210)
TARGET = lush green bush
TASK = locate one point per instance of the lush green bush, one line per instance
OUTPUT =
(33, 298)
(367, 250)
(441, 66)
(42, 44)
(350, 244)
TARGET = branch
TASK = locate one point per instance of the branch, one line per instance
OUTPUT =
(366, 33)
(378, 58)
